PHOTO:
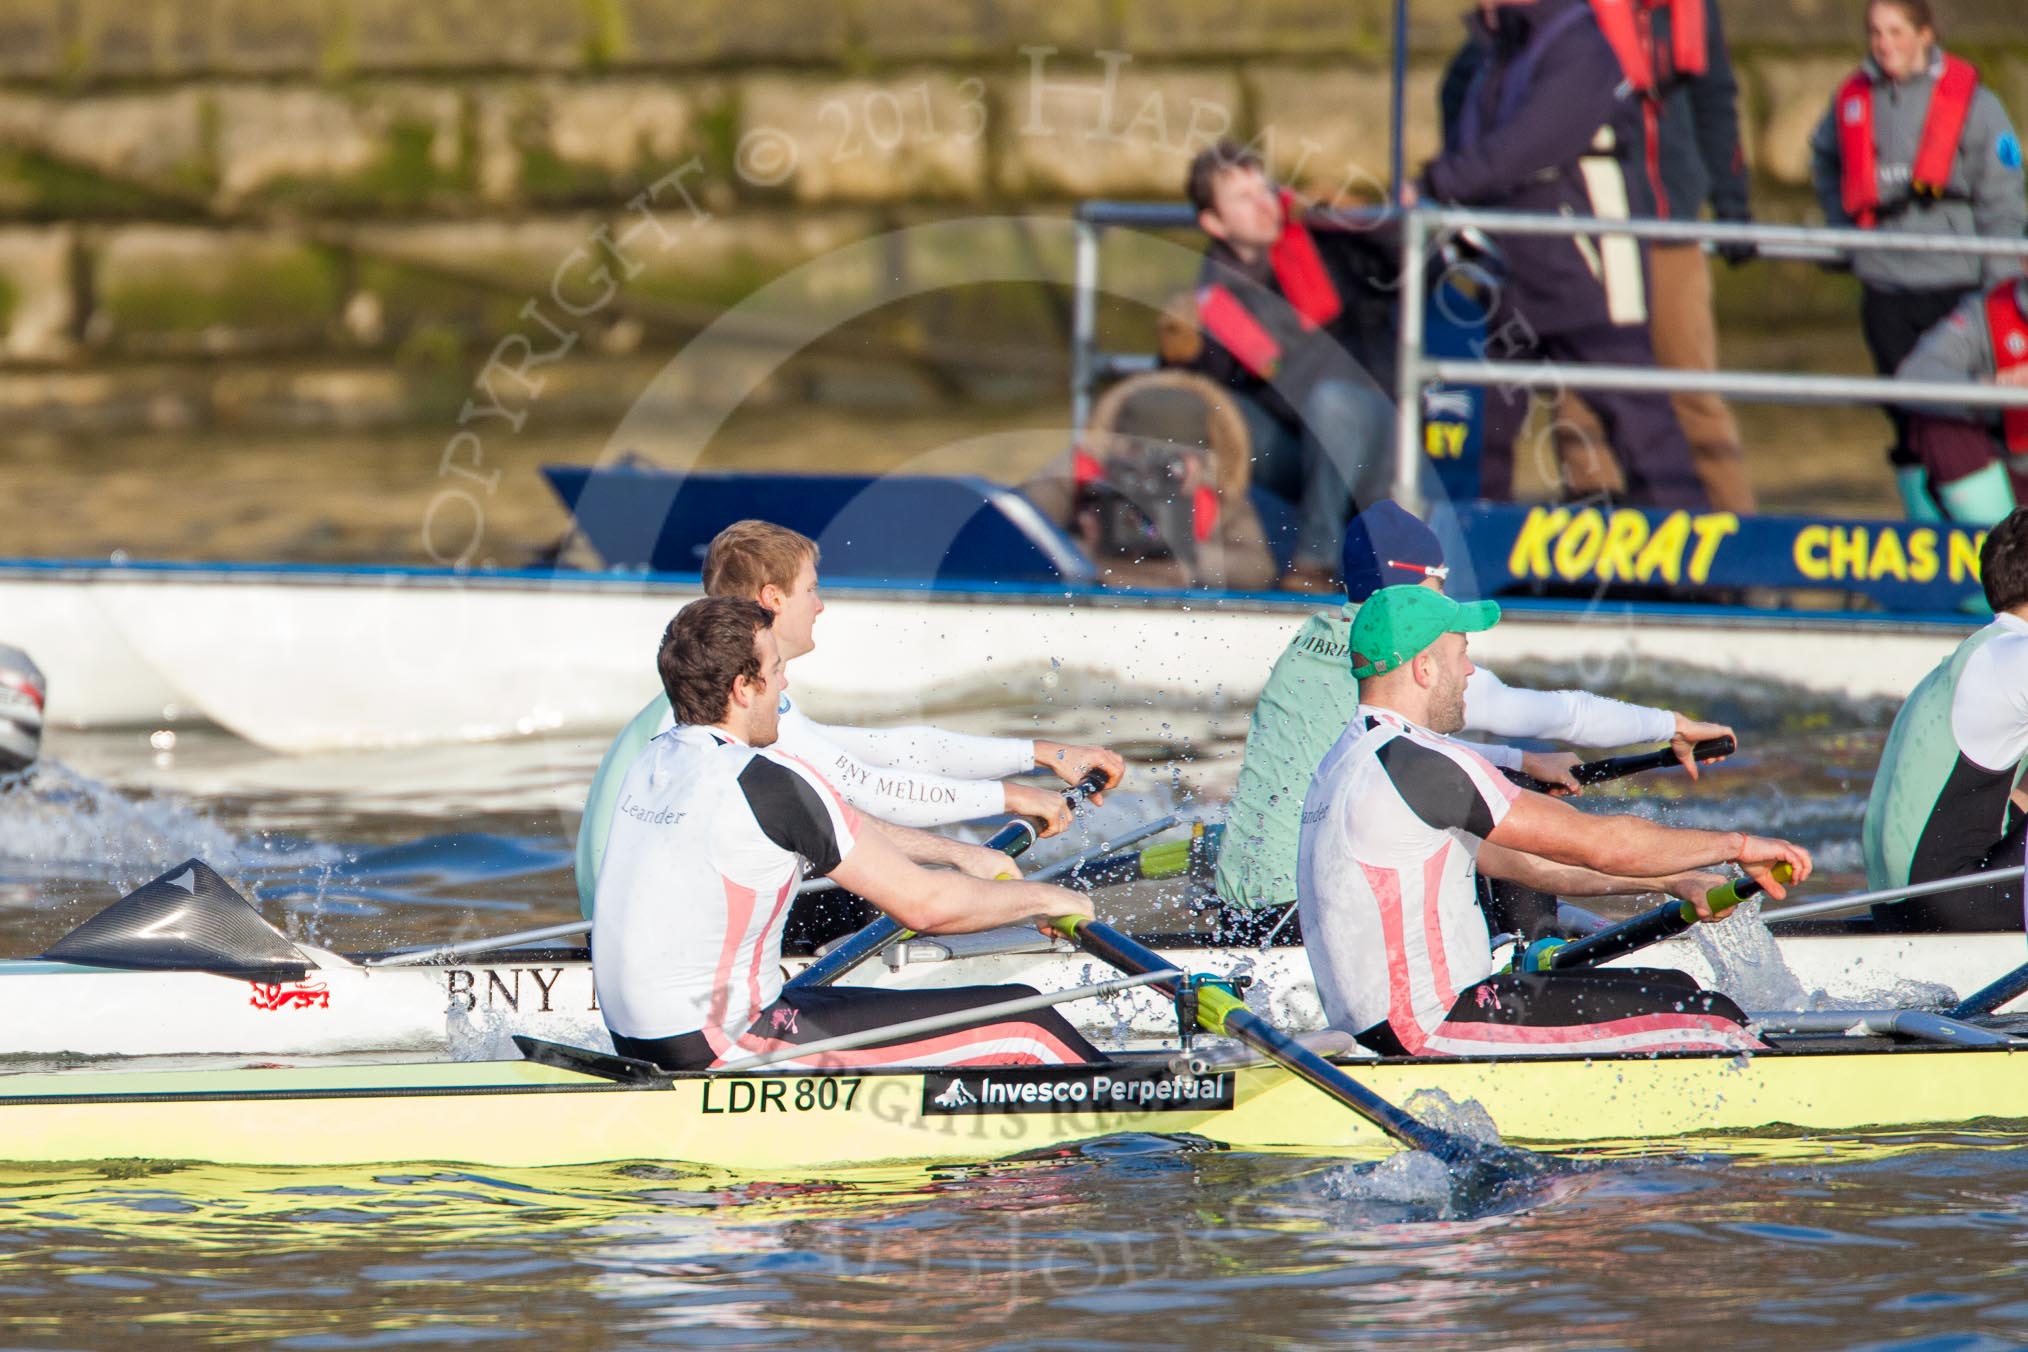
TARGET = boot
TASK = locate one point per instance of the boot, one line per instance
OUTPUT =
(1913, 481)
(1982, 498)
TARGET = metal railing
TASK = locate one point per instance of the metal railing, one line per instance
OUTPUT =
(1089, 366)
(1417, 370)
(1092, 366)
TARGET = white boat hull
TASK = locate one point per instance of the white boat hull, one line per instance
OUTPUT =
(470, 1012)
(323, 659)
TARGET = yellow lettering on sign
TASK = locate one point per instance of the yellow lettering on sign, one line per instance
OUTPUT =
(1444, 440)
(1922, 559)
(1577, 548)
(1964, 555)
(1624, 536)
(1663, 554)
(1530, 555)
(1809, 553)
(1712, 530)
(1888, 559)
(1848, 552)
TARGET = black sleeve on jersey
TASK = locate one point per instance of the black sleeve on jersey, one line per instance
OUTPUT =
(1436, 788)
(790, 813)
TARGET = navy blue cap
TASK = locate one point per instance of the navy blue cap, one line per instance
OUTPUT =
(1385, 546)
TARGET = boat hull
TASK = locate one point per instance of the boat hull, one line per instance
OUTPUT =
(431, 656)
(471, 1011)
(514, 1114)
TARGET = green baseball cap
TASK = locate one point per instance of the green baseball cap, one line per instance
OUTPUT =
(1395, 624)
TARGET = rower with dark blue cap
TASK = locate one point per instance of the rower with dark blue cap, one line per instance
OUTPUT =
(1311, 694)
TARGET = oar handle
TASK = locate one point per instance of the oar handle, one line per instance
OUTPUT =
(1619, 767)
(1665, 921)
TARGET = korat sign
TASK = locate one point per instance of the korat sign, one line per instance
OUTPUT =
(1899, 565)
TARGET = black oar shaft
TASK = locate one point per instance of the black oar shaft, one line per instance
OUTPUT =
(1989, 998)
(1220, 1012)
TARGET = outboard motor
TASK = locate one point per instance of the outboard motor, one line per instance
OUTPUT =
(21, 689)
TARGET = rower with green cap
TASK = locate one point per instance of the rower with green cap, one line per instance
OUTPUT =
(1400, 819)
(1310, 695)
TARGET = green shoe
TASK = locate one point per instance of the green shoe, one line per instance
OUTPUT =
(1982, 498)
(1913, 481)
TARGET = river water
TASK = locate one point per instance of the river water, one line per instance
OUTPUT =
(1910, 1242)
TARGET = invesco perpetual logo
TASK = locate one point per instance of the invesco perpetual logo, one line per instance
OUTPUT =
(1066, 1090)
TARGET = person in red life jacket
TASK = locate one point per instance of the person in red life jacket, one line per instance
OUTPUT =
(1538, 128)
(1280, 304)
(1685, 154)
(1984, 341)
(1914, 144)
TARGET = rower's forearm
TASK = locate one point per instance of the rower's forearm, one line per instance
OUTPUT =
(1563, 880)
(956, 903)
(1633, 847)
(919, 847)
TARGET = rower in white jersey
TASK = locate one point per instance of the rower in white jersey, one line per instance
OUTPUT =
(1310, 696)
(1948, 799)
(913, 776)
(712, 833)
(1397, 823)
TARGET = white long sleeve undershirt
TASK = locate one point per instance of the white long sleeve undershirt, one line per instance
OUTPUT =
(1575, 716)
(909, 797)
(934, 751)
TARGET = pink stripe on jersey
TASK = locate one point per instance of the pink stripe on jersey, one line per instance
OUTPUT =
(760, 950)
(738, 918)
(1386, 886)
(1433, 926)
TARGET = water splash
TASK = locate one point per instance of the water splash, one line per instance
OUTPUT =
(488, 1035)
(1747, 964)
(58, 822)
(1467, 1118)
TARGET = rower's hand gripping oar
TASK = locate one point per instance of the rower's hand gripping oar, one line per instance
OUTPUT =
(1222, 1013)
(1664, 922)
(1013, 840)
(1619, 767)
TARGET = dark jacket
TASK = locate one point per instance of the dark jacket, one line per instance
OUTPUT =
(1525, 121)
(1356, 343)
(1700, 158)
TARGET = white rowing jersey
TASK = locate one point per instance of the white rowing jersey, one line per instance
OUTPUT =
(911, 776)
(709, 839)
(1387, 872)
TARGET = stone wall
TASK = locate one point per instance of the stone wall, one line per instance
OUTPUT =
(185, 178)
